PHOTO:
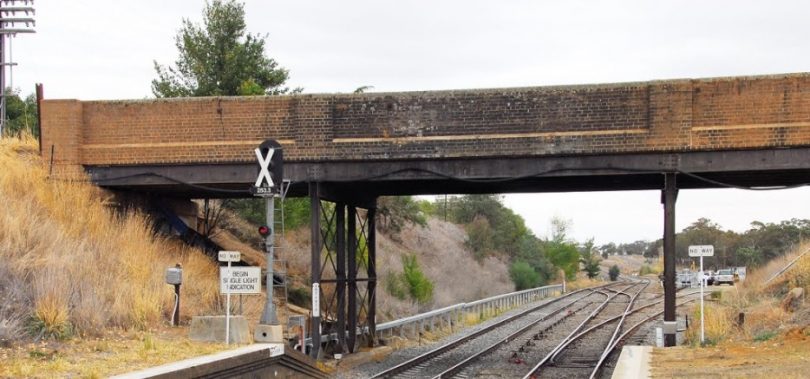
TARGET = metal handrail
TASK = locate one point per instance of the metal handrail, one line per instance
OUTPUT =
(501, 301)
(419, 317)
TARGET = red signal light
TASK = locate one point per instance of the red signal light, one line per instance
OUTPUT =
(264, 231)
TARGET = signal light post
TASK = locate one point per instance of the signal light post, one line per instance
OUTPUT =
(268, 185)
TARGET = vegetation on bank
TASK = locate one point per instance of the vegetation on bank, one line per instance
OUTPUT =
(70, 264)
(766, 313)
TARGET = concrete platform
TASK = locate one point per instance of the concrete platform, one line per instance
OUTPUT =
(254, 361)
(634, 362)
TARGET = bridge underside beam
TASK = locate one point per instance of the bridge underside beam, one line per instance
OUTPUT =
(358, 180)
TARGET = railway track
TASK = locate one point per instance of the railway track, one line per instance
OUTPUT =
(572, 336)
(449, 358)
(599, 326)
(586, 354)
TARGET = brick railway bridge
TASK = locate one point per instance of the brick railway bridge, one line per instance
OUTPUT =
(349, 149)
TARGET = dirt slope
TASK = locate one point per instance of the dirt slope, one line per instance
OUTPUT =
(441, 253)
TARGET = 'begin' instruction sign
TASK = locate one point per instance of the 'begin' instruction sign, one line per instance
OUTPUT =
(244, 280)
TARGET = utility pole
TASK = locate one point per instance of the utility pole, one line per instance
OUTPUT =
(9, 10)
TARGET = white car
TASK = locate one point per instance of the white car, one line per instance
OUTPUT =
(724, 276)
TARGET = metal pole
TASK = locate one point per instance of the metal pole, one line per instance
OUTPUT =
(702, 284)
(269, 314)
(372, 274)
(351, 292)
(228, 307)
(340, 235)
(176, 314)
(669, 196)
(315, 244)
(2, 80)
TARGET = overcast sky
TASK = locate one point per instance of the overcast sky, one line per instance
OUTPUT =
(102, 49)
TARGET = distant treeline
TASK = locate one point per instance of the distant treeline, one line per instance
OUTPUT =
(753, 247)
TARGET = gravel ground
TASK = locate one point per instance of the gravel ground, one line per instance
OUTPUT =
(516, 358)
(369, 369)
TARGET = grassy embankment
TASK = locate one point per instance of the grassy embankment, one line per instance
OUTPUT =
(764, 317)
(772, 340)
(72, 269)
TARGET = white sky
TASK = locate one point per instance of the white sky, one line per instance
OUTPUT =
(103, 49)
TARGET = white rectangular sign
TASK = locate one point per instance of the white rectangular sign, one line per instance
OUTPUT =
(316, 299)
(229, 256)
(245, 280)
(701, 251)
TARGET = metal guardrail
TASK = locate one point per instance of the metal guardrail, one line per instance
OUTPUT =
(452, 315)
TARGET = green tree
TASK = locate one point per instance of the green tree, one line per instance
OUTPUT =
(394, 212)
(523, 275)
(508, 228)
(613, 273)
(21, 114)
(420, 288)
(219, 58)
(532, 251)
(589, 258)
(296, 210)
(562, 252)
(608, 249)
(480, 237)
(749, 256)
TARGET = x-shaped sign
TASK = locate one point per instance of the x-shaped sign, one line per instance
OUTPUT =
(264, 167)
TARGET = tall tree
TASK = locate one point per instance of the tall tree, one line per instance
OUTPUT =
(21, 114)
(589, 257)
(219, 58)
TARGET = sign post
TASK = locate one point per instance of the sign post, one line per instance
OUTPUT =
(228, 256)
(701, 251)
(269, 156)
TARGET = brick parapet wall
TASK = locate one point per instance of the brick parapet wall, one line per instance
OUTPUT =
(659, 116)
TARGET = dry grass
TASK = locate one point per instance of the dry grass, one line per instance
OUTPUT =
(582, 282)
(69, 265)
(764, 316)
(99, 357)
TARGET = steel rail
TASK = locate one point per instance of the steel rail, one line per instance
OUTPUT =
(619, 325)
(590, 317)
(597, 326)
(622, 315)
(404, 366)
(626, 334)
(466, 362)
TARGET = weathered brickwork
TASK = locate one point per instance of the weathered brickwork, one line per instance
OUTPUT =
(669, 116)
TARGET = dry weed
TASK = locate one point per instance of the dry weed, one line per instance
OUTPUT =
(76, 266)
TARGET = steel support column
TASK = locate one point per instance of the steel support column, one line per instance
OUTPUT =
(668, 196)
(315, 244)
(372, 274)
(340, 285)
(351, 228)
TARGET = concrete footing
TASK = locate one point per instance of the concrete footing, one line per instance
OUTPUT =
(269, 333)
(212, 328)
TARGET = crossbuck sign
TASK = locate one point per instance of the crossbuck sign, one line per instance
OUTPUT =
(269, 156)
(264, 168)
